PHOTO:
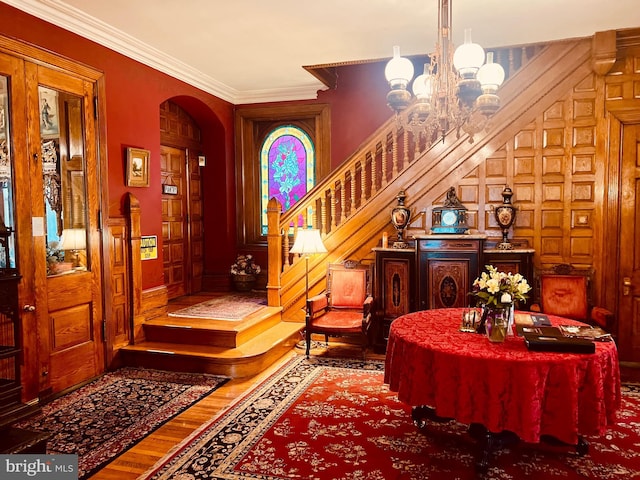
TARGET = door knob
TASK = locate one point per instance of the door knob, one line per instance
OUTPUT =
(626, 286)
(28, 308)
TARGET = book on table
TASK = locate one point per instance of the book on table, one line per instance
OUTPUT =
(559, 343)
(540, 335)
(539, 324)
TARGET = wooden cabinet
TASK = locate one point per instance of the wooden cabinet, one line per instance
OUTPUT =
(11, 407)
(394, 290)
(447, 266)
(10, 388)
(437, 272)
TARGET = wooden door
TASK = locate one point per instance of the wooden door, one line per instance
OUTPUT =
(629, 248)
(64, 204)
(174, 220)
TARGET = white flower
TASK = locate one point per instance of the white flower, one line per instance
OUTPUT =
(499, 288)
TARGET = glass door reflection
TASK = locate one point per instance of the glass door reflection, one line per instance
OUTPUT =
(7, 226)
(63, 170)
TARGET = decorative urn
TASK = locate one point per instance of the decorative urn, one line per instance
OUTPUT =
(505, 216)
(400, 217)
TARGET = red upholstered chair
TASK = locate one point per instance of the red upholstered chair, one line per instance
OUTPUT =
(566, 292)
(345, 308)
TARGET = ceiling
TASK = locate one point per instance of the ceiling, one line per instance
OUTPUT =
(246, 51)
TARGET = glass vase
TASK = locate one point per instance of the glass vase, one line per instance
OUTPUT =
(496, 323)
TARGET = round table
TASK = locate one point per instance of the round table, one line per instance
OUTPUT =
(502, 386)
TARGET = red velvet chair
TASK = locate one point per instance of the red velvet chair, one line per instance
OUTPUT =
(566, 291)
(346, 306)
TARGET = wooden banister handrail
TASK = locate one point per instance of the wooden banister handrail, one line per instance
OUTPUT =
(354, 185)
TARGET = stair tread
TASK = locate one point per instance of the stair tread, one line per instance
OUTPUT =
(257, 345)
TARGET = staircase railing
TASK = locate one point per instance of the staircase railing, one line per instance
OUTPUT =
(347, 191)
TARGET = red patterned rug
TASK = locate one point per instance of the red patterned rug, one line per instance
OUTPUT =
(230, 307)
(104, 418)
(334, 419)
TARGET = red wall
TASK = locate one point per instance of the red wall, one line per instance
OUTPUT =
(134, 93)
(358, 107)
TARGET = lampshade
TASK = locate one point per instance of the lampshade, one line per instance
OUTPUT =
(73, 239)
(468, 57)
(308, 241)
(423, 86)
(399, 70)
(491, 74)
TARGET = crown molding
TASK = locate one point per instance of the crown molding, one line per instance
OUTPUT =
(304, 92)
(70, 18)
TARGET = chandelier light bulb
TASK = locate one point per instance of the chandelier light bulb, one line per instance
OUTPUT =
(468, 57)
(399, 70)
(490, 75)
(423, 85)
(454, 87)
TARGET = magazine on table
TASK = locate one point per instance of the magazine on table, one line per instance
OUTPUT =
(585, 331)
(539, 325)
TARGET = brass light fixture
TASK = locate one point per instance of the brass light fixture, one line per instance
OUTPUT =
(457, 89)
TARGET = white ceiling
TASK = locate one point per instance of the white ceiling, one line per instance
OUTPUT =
(254, 50)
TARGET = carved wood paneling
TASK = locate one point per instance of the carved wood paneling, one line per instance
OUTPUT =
(622, 87)
(120, 325)
(551, 167)
(182, 227)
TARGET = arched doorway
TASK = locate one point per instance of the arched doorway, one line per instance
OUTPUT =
(182, 203)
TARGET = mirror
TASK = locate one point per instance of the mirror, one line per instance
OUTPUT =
(7, 227)
(62, 137)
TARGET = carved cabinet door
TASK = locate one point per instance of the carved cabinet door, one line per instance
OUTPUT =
(446, 269)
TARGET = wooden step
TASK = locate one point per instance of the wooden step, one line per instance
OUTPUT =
(249, 358)
(211, 332)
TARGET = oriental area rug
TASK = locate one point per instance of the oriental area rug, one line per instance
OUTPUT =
(332, 419)
(229, 307)
(104, 418)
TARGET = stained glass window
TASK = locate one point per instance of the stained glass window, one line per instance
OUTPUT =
(287, 168)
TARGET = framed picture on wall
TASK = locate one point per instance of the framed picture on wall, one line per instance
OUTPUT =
(137, 167)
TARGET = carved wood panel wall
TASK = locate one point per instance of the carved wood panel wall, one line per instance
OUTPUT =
(555, 168)
(119, 283)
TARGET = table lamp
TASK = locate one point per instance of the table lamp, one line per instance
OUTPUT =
(73, 239)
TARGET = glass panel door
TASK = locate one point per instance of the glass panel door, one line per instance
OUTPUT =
(63, 171)
(7, 225)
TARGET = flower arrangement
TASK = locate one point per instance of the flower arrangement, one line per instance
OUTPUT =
(245, 265)
(499, 289)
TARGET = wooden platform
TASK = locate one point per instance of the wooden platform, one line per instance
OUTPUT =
(222, 347)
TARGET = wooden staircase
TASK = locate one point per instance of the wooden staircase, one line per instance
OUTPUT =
(231, 348)
(351, 210)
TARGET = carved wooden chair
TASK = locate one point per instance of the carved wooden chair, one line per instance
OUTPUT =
(566, 291)
(346, 306)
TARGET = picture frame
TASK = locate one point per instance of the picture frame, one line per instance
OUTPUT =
(137, 174)
(49, 118)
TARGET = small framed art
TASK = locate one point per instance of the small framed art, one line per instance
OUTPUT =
(137, 167)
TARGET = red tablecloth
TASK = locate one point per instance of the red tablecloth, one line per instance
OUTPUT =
(502, 386)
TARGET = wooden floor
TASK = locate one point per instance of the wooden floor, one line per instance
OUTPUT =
(137, 460)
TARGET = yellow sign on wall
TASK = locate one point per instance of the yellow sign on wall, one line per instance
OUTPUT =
(149, 247)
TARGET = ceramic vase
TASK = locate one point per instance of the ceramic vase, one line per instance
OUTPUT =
(400, 217)
(244, 282)
(505, 216)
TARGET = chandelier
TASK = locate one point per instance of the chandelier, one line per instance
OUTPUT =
(457, 90)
